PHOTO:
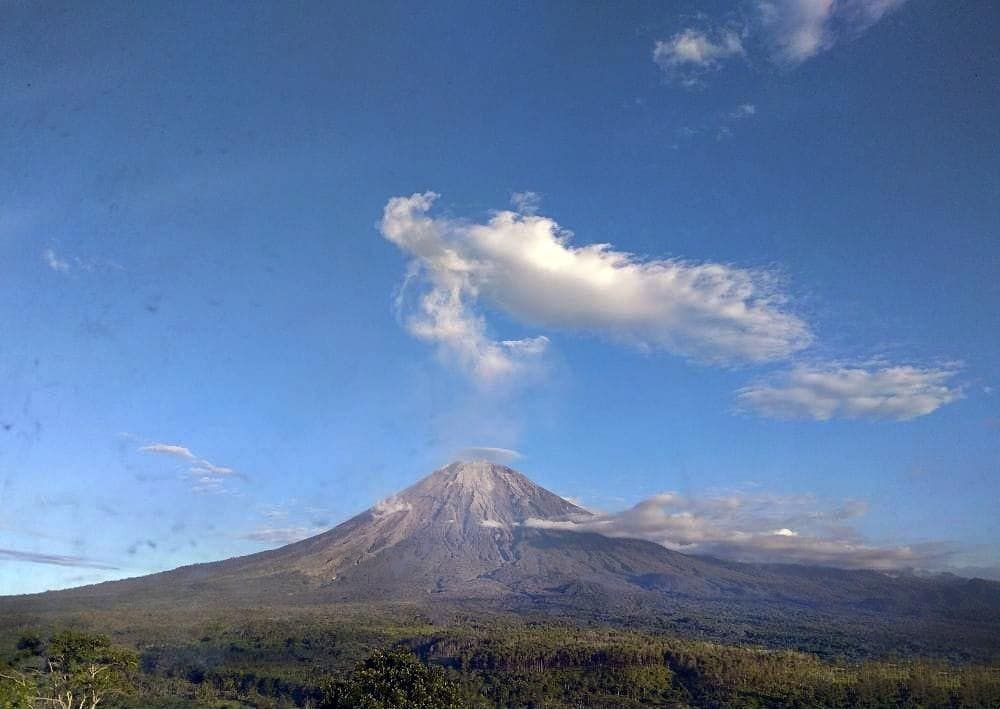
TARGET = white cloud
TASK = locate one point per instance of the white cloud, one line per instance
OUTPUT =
(54, 262)
(834, 391)
(793, 30)
(169, 449)
(744, 110)
(800, 29)
(444, 315)
(206, 484)
(691, 53)
(205, 467)
(65, 265)
(526, 202)
(206, 477)
(526, 266)
(758, 528)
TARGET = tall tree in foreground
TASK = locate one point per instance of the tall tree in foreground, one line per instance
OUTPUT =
(78, 671)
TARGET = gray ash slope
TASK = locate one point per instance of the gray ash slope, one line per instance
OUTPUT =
(480, 535)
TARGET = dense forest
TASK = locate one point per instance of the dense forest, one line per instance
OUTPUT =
(335, 663)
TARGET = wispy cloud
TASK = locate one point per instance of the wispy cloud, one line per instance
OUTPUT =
(207, 468)
(279, 535)
(527, 267)
(798, 30)
(54, 262)
(169, 449)
(836, 391)
(66, 264)
(206, 484)
(788, 32)
(206, 477)
(54, 559)
(758, 528)
(690, 54)
(720, 126)
(497, 455)
(526, 202)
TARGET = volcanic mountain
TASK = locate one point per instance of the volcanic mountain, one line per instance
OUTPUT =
(481, 536)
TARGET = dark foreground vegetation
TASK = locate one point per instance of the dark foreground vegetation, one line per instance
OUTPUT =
(327, 662)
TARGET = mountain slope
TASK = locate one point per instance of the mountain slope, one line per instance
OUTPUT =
(475, 536)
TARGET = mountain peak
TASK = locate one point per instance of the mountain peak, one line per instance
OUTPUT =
(485, 493)
(450, 529)
(483, 475)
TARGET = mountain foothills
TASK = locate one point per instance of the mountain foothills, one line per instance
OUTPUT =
(480, 538)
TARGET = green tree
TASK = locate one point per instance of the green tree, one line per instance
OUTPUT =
(17, 690)
(392, 680)
(82, 670)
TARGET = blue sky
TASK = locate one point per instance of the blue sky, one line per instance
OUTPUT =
(265, 264)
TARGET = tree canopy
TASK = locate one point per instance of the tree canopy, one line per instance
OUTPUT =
(393, 679)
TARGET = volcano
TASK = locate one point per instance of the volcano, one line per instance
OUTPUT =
(478, 536)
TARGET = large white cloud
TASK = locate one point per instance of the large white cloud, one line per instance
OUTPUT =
(834, 391)
(526, 266)
(757, 528)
